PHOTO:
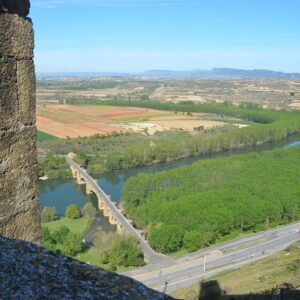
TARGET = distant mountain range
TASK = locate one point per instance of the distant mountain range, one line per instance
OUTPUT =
(221, 73)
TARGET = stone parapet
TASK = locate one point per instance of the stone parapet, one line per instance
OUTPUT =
(28, 271)
(19, 205)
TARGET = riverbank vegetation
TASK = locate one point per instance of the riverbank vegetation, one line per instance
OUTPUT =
(77, 226)
(265, 278)
(64, 235)
(121, 151)
(53, 166)
(113, 252)
(67, 235)
(194, 206)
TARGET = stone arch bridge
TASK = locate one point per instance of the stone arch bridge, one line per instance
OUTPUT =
(110, 210)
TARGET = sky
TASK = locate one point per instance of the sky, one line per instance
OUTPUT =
(139, 35)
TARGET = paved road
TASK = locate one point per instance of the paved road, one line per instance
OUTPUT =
(190, 268)
(149, 253)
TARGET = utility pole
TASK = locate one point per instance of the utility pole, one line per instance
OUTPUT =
(204, 264)
(166, 286)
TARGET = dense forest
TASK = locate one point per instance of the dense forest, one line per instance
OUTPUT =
(121, 151)
(194, 206)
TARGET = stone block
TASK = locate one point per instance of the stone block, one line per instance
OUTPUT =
(8, 93)
(17, 147)
(16, 38)
(26, 91)
(23, 225)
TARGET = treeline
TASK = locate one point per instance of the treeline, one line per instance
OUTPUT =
(270, 126)
(53, 166)
(246, 111)
(194, 206)
(76, 85)
(121, 151)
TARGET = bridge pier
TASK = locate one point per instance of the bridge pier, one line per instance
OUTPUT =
(74, 172)
(79, 180)
(106, 212)
(100, 204)
(109, 208)
(88, 189)
(112, 219)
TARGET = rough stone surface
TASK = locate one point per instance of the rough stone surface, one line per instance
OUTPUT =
(28, 271)
(19, 205)
(18, 38)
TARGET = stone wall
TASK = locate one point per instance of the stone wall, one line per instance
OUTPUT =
(28, 271)
(19, 205)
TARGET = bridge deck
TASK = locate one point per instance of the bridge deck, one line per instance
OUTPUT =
(149, 253)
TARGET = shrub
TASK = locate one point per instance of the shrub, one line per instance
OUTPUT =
(192, 241)
(73, 212)
(49, 214)
(72, 245)
(62, 240)
(166, 238)
(118, 250)
(47, 239)
(60, 235)
(89, 211)
(125, 252)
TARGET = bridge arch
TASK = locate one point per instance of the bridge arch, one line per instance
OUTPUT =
(115, 216)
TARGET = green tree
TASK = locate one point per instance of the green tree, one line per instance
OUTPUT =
(62, 240)
(114, 161)
(192, 241)
(125, 252)
(83, 160)
(72, 245)
(48, 214)
(167, 238)
(73, 212)
(60, 235)
(89, 210)
(47, 239)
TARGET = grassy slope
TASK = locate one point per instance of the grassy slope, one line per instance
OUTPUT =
(42, 136)
(91, 257)
(78, 226)
(283, 267)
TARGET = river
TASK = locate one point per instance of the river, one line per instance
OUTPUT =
(60, 193)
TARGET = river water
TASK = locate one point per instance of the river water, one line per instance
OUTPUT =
(60, 193)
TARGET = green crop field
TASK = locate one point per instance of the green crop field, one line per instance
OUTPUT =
(42, 136)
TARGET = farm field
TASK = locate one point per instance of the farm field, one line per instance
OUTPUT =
(268, 93)
(73, 121)
(42, 136)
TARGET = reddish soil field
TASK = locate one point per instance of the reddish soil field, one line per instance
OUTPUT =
(73, 121)
(76, 130)
(41, 121)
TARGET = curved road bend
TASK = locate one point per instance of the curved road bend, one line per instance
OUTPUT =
(190, 268)
(149, 253)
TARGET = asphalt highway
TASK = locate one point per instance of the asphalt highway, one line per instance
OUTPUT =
(207, 262)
